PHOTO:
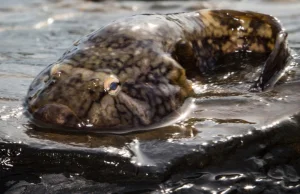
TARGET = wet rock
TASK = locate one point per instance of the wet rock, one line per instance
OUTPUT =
(74, 185)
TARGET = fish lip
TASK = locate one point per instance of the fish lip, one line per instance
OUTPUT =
(54, 114)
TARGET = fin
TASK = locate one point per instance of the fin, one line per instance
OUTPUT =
(274, 65)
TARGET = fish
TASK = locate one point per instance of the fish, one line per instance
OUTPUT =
(132, 72)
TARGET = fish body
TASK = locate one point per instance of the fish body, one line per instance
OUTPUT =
(132, 72)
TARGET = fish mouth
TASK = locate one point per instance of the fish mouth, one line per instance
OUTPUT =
(59, 118)
(56, 114)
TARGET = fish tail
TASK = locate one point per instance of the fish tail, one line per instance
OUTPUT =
(275, 64)
(229, 31)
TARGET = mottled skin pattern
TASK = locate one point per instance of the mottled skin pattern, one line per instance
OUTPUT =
(143, 60)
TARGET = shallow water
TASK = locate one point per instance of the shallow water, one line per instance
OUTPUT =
(231, 141)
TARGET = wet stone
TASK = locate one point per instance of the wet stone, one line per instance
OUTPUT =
(66, 185)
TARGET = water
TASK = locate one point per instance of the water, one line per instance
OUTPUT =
(230, 142)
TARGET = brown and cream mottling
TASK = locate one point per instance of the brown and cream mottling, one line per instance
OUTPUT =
(132, 72)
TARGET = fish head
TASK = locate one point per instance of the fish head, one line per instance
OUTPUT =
(117, 94)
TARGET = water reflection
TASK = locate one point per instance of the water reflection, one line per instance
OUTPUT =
(104, 140)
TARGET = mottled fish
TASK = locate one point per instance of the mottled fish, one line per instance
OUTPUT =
(132, 73)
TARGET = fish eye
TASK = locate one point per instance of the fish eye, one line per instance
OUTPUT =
(112, 85)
